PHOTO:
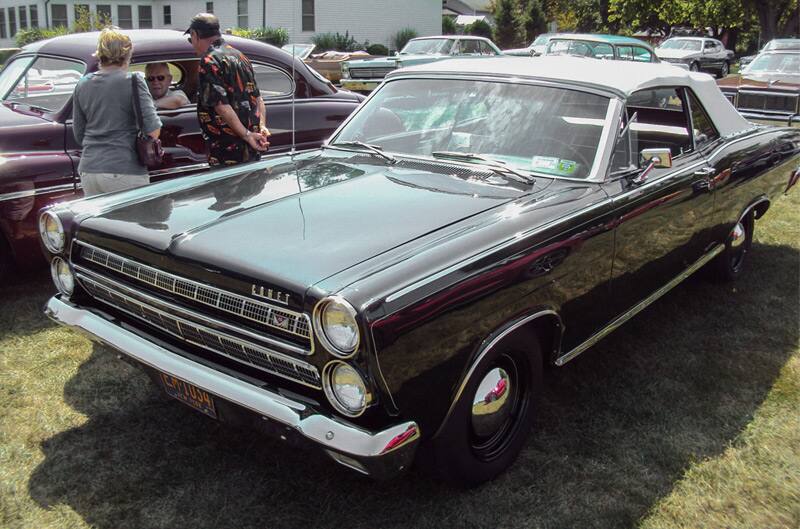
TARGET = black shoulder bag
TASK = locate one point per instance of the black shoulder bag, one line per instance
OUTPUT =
(149, 149)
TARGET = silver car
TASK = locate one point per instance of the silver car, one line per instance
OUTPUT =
(697, 53)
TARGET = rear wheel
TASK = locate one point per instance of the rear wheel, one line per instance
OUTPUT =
(492, 419)
(729, 264)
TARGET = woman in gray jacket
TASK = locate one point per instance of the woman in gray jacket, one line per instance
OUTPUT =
(104, 119)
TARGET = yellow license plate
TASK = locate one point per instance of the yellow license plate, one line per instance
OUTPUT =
(355, 85)
(189, 394)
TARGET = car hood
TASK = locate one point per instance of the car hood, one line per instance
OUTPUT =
(669, 53)
(761, 81)
(518, 51)
(290, 225)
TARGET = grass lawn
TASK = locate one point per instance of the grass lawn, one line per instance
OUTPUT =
(687, 417)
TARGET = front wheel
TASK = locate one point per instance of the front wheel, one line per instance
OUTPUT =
(695, 67)
(492, 419)
(729, 264)
(725, 70)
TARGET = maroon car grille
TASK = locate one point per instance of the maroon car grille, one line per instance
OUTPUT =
(762, 101)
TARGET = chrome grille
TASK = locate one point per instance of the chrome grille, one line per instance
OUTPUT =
(163, 317)
(370, 73)
(767, 101)
(278, 318)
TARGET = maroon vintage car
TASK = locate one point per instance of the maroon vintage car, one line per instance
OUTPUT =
(39, 155)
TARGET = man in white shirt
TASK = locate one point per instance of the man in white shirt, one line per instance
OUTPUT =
(158, 81)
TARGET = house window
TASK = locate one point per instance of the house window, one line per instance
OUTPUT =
(23, 17)
(12, 21)
(58, 12)
(209, 7)
(34, 12)
(145, 17)
(125, 17)
(3, 30)
(308, 15)
(167, 15)
(104, 14)
(241, 21)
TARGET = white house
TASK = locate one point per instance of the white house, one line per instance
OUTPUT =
(372, 20)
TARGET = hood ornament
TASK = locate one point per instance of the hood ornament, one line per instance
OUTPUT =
(268, 293)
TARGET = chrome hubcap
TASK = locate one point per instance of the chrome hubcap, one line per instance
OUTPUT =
(737, 235)
(491, 405)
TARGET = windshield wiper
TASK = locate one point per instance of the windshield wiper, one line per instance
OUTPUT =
(499, 166)
(374, 149)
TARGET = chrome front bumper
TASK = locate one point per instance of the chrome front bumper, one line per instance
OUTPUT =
(380, 454)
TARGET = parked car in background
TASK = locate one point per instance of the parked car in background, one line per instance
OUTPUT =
(406, 286)
(773, 45)
(610, 47)
(366, 75)
(698, 54)
(768, 90)
(328, 63)
(39, 154)
(535, 48)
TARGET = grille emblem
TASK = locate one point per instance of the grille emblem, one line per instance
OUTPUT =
(280, 321)
(268, 293)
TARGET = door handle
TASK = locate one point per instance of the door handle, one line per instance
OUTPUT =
(705, 171)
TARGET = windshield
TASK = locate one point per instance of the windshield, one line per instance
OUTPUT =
(541, 40)
(776, 62)
(47, 83)
(598, 50)
(537, 129)
(682, 44)
(428, 47)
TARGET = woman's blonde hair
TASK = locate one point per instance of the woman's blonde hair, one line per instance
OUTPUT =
(113, 47)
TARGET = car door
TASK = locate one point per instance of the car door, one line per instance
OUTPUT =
(664, 216)
(711, 59)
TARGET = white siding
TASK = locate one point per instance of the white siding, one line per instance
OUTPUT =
(373, 20)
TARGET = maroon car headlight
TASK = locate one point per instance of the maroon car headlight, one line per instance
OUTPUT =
(336, 326)
(62, 275)
(52, 232)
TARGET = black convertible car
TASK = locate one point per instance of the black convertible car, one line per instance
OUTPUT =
(405, 286)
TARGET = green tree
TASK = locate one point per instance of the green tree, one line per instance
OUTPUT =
(479, 28)
(448, 26)
(505, 23)
(532, 20)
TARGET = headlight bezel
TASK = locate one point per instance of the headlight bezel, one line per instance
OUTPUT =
(43, 217)
(55, 274)
(333, 397)
(319, 327)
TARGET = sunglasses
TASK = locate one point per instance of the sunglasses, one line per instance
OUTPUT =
(159, 78)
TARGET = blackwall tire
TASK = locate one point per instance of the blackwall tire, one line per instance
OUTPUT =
(694, 67)
(729, 264)
(463, 456)
(725, 70)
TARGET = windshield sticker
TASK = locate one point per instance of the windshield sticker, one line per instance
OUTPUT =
(552, 165)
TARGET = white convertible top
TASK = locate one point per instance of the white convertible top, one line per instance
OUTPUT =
(622, 76)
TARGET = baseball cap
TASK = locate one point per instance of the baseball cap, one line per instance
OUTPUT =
(204, 24)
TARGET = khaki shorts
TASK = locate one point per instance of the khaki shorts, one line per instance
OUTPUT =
(98, 183)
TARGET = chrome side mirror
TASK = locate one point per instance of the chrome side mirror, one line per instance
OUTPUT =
(650, 159)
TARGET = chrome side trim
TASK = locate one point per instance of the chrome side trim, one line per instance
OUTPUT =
(197, 334)
(486, 347)
(383, 452)
(622, 318)
(35, 192)
(181, 169)
(298, 324)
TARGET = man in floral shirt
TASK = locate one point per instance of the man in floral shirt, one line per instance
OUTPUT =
(229, 106)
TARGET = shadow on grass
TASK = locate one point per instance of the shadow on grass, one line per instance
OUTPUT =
(617, 429)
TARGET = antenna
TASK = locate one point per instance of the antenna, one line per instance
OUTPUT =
(294, 80)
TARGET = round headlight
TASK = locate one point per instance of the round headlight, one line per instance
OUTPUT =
(346, 389)
(62, 276)
(345, 70)
(51, 231)
(337, 327)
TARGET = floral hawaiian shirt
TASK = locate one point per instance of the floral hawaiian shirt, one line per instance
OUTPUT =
(226, 76)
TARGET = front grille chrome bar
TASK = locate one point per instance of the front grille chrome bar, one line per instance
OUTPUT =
(157, 314)
(285, 320)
